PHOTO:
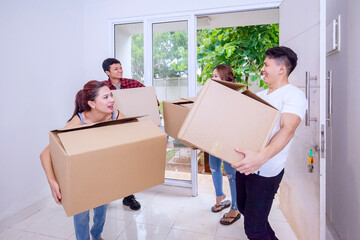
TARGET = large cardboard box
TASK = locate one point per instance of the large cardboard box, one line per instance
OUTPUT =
(138, 102)
(223, 118)
(175, 112)
(99, 163)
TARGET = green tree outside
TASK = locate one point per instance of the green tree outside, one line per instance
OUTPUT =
(170, 54)
(243, 48)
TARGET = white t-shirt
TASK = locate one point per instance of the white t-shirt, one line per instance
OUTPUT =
(287, 99)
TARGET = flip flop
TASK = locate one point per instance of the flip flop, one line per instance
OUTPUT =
(234, 219)
(221, 206)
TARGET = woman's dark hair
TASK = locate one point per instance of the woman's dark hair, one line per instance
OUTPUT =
(88, 93)
(226, 72)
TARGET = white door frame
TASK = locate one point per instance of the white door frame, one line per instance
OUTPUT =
(323, 111)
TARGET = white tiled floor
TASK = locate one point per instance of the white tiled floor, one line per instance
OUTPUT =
(166, 213)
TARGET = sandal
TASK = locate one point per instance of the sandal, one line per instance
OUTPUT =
(221, 206)
(234, 219)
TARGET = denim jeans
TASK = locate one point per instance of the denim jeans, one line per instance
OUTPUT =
(217, 176)
(255, 195)
(81, 222)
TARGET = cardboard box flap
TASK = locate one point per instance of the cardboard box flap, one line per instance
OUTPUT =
(234, 86)
(98, 124)
(138, 101)
(187, 104)
(95, 138)
(256, 97)
(191, 99)
(183, 102)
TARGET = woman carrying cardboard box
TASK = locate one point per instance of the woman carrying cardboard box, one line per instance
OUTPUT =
(94, 103)
(224, 72)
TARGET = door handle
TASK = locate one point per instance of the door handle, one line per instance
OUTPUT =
(329, 97)
(307, 94)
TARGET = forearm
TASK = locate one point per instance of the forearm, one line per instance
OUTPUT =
(277, 143)
(254, 160)
(47, 164)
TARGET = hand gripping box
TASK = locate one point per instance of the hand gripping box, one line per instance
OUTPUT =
(222, 118)
(99, 163)
(175, 112)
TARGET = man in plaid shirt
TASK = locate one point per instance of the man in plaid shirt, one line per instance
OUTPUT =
(112, 67)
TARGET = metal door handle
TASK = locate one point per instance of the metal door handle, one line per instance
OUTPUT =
(329, 97)
(307, 94)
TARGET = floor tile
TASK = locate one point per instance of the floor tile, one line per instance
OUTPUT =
(118, 211)
(137, 231)
(224, 238)
(202, 202)
(158, 214)
(175, 201)
(233, 231)
(283, 230)
(166, 213)
(201, 221)
(48, 222)
(34, 236)
(12, 233)
(113, 228)
(176, 234)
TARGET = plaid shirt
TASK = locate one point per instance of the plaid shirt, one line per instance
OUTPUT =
(125, 83)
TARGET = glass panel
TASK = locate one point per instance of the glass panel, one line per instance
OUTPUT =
(170, 79)
(129, 49)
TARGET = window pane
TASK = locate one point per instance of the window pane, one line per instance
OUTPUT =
(170, 79)
(170, 63)
(129, 49)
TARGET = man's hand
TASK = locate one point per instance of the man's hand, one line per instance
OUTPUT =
(251, 162)
(254, 160)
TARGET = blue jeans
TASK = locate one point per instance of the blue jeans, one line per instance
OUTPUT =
(255, 195)
(217, 176)
(81, 222)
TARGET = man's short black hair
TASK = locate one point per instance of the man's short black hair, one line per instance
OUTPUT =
(109, 61)
(283, 55)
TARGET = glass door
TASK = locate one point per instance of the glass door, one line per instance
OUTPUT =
(172, 79)
(162, 53)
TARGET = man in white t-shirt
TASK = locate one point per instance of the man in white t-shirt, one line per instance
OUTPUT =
(259, 173)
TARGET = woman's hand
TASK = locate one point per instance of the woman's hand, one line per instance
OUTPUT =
(55, 189)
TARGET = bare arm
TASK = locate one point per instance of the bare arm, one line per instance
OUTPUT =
(254, 160)
(46, 162)
(47, 165)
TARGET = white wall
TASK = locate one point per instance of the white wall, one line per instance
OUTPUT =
(343, 179)
(41, 68)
